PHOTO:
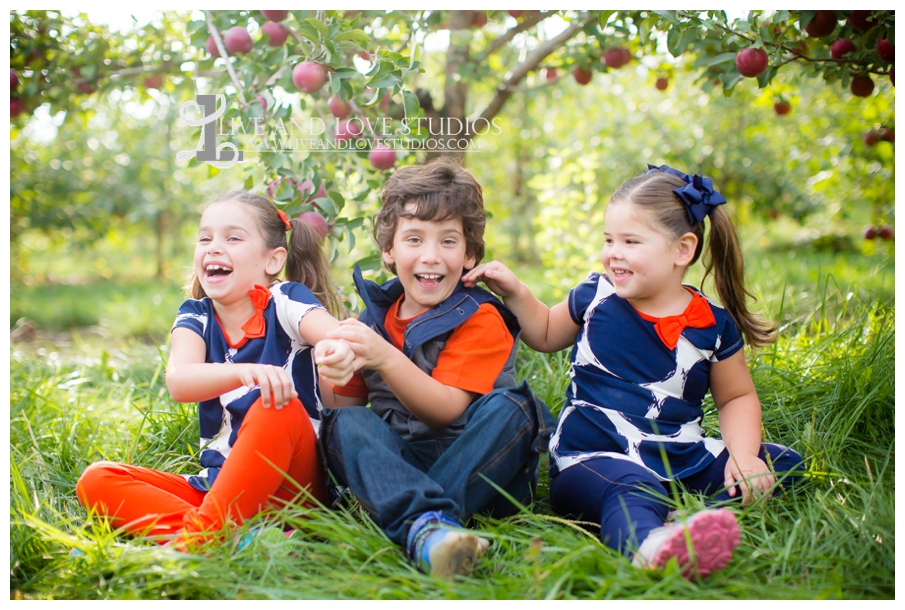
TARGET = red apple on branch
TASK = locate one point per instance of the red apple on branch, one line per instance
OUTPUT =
(516, 14)
(662, 83)
(888, 134)
(582, 75)
(616, 57)
(211, 47)
(858, 20)
(237, 40)
(550, 74)
(382, 157)
(276, 16)
(841, 47)
(479, 19)
(15, 107)
(275, 33)
(338, 108)
(782, 107)
(309, 76)
(870, 233)
(871, 138)
(316, 222)
(862, 86)
(822, 24)
(155, 81)
(751, 62)
(885, 232)
(347, 130)
(886, 50)
(13, 80)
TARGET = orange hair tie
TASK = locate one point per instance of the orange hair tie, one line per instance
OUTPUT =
(285, 219)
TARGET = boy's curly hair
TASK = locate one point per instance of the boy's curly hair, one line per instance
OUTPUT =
(441, 190)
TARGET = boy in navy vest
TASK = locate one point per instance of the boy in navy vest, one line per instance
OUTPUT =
(445, 423)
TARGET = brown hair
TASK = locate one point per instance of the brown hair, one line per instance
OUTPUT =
(306, 262)
(723, 257)
(441, 190)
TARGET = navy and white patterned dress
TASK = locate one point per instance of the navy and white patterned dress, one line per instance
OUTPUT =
(281, 345)
(631, 396)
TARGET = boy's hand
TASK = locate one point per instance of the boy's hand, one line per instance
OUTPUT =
(496, 276)
(751, 474)
(369, 347)
(336, 361)
(274, 381)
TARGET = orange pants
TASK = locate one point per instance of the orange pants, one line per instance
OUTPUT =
(270, 442)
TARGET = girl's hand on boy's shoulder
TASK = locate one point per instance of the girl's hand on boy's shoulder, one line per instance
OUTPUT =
(371, 350)
(497, 276)
(751, 474)
(274, 382)
(336, 361)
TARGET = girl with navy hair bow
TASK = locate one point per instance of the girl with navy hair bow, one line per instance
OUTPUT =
(646, 350)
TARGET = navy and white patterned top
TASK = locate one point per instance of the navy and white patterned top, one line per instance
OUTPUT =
(281, 345)
(631, 395)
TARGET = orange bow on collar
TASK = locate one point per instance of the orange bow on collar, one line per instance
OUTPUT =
(696, 315)
(254, 328)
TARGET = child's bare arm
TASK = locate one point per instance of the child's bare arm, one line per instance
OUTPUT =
(433, 403)
(739, 413)
(544, 329)
(191, 379)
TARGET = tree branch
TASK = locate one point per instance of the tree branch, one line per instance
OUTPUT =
(218, 40)
(505, 89)
(511, 33)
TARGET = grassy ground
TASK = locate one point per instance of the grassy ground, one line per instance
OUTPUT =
(827, 389)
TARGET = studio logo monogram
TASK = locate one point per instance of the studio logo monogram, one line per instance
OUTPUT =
(211, 108)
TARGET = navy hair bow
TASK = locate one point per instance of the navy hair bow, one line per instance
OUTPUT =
(698, 195)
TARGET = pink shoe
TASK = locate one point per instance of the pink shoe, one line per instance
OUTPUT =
(713, 535)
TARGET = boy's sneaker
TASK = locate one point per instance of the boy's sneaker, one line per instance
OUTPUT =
(701, 544)
(436, 544)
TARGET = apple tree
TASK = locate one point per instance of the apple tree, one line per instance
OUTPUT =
(383, 95)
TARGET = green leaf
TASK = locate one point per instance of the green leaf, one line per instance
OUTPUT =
(722, 58)
(320, 27)
(371, 262)
(326, 205)
(411, 104)
(249, 183)
(383, 81)
(781, 16)
(764, 79)
(730, 79)
(604, 18)
(338, 200)
(670, 16)
(356, 36)
(674, 42)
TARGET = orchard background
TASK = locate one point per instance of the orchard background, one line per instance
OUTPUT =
(792, 113)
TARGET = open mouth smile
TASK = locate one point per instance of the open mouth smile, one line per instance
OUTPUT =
(213, 272)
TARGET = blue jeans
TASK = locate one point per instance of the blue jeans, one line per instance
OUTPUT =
(396, 481)
(627, 501)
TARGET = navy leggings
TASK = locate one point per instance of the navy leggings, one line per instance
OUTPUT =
(627, 501)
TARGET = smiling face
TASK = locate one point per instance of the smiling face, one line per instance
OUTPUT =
(645, 265)
(430, 258)
(231, 256)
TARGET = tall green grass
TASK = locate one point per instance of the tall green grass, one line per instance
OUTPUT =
(827, 389)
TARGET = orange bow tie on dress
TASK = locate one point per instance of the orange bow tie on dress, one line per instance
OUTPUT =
(254, 327)
(696, 315)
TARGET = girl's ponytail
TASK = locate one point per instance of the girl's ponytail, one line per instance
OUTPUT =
(723, 258)
(306, 263)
